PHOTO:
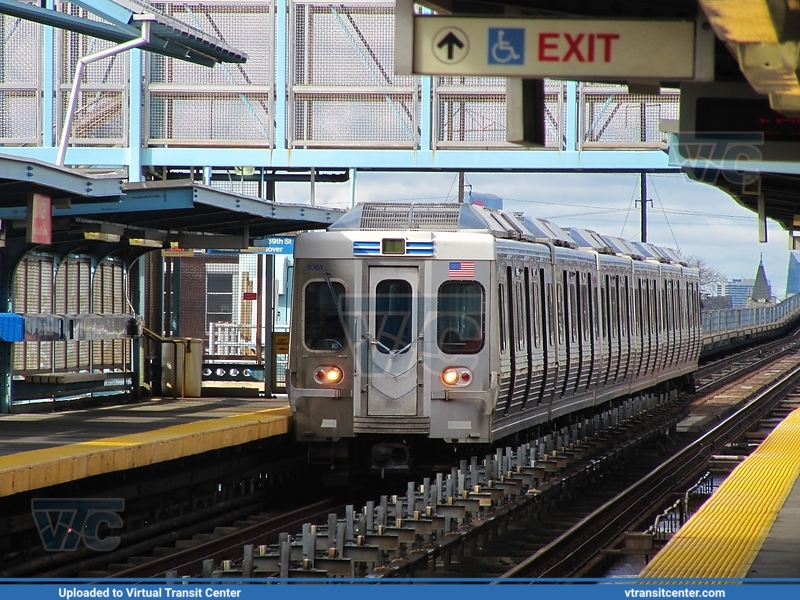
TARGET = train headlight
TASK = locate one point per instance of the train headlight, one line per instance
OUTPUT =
(456, 376)
(328, 375)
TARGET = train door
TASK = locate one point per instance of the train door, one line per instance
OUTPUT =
(657, 338)
(592, 331)
(537, 343)
(584, 331)
(549, 346)
(624, 330)
(573, 330)
(644, 329)
(394, 348)
(561, 331)
(506, 340)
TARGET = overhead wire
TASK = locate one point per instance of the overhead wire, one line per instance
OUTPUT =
(627, 214)
(661, 204)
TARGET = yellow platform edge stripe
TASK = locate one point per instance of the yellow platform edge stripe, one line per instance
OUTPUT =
(723, 538)
(37, 469)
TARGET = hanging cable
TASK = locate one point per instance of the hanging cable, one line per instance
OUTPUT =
(627, 214)
(661, 204)
(447, 198)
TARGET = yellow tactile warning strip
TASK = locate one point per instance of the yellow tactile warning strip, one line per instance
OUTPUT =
(38, 469)
(724, 537)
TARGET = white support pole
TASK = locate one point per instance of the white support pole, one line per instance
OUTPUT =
(353, 187)
(76, 83)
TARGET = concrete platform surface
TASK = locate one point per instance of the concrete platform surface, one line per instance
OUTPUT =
(46, 449)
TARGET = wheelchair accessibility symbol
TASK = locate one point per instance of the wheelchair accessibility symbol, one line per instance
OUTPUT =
(506, 46)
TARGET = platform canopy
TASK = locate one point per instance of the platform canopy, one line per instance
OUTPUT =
(123, 23)
(21, 176)
(156, 213)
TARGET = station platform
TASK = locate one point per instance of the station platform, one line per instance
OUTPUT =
(749, 528)
(40, 450)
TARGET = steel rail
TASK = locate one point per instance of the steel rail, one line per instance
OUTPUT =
(564, 555)
(190, 560)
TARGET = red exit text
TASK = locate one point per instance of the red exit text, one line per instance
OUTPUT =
(581, 47)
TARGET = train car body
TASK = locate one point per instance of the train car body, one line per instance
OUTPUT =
(418, 323)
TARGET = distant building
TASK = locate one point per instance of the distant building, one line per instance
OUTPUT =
(793, 276)
(762, 292)
(717, 302)
(738, 289)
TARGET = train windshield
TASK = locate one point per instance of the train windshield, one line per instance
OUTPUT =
(322, 327)
(460, 319)
(393, 315)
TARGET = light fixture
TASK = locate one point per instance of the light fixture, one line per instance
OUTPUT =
(145, 242)
(456, 376)
(328, 374)
(99, 236)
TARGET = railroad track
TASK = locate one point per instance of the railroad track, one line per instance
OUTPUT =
(571, 553)
(481, 519)
(715, 374)
(460, 524)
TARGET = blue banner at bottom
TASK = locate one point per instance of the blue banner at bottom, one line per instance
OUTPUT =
(293, 589)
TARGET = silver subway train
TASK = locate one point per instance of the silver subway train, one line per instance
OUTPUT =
(424, 324)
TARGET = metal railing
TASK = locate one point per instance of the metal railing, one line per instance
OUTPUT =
(340, 84)
(733, 321)
(232, 339)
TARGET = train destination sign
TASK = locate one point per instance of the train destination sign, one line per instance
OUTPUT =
(558, 48)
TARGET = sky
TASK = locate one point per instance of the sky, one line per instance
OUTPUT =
(696, 219)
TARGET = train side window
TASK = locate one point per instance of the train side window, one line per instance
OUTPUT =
(613, 316)
(460, 317)
(560, 311)
(551, 328)
(638, 300)
(322, 327)
(393, 305)
(654, 306)
(573, 307)
(625, 313)
(535, 323)
(592, 308)
(604, 307)
(520, 313)
(585, 307)
(503, 308)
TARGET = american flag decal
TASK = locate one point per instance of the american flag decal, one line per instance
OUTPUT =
(463, 269)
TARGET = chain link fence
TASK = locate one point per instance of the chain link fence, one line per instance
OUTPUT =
(613, 118)
(230, 104)
(101, 113)
(344, 92)
(470, 112)
(20, 81)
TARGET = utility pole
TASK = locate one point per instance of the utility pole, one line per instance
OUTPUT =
(644, 205)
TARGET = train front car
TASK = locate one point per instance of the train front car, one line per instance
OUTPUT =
(391, 348)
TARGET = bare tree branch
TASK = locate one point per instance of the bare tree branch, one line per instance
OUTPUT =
(710, 276)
